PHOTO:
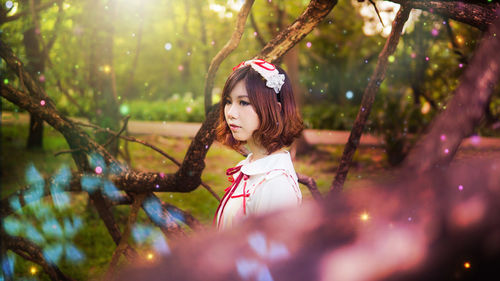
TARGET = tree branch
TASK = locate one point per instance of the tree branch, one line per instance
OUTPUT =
(311, 185)
(465, 109)
(23, 13)
(29, 250)
(369, 97)
(257, 31)
(163, 153)
(314, 13)
(476, 15)
(122, 246)
(225, 51)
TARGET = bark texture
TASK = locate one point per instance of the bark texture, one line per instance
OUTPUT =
(419, 227)
(369, 97)
(475, 14)
(465, 109)
(315, 12)
(32, 252)
(233, 42)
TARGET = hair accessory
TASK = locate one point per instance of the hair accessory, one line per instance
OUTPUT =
(268, 71)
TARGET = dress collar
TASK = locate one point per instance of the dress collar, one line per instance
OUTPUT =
(263, 165)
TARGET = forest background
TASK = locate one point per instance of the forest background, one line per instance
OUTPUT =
(105, 60)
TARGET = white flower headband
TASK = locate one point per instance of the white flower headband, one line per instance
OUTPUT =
(268, 71)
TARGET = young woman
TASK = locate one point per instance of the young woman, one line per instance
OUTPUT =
(258, 109)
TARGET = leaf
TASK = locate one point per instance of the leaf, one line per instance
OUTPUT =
(90, 183)
(257, 241)
(34, 235)
(141, 233)
(160, 244)
(53, 253)
(111, 191)
(73, 254)
(97, 163)
(36, 185)
(52, 228)
(12, 226)
(152, 206)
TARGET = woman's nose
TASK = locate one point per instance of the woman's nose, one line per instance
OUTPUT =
(232, 112)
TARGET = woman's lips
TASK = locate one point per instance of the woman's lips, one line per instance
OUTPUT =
(234, 127)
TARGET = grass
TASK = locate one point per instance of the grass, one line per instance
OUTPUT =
(93, 239)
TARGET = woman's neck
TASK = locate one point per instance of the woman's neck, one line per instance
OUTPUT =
(259, 151)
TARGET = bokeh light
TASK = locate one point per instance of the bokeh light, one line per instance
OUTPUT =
(168, 46)
(124, 109)
(364, 216)
(33, 270)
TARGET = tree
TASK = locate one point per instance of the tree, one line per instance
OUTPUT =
(186, 179)
(89, 155)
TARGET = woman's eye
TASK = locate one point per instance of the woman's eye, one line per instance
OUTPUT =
(244, 103)
(227, 102)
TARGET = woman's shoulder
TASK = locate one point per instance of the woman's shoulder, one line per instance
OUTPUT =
(277, 181)
(275, 190)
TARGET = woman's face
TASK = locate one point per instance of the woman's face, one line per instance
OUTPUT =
(240, 114)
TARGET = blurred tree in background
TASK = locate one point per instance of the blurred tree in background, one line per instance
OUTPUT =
(106, 59)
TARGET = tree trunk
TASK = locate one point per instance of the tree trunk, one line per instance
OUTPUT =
(101, 70)
(368, 98)
(464, 111)
(36, 67)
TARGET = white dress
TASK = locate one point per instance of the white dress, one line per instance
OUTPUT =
(264, 185)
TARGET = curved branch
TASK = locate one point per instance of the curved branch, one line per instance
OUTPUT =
(29, 250)
(257, 31)
(163, 153)
(476, 15)
(463, 113)
(225, 51)
(369, 97)
(315, 12)
(23, 13)
(311, 185)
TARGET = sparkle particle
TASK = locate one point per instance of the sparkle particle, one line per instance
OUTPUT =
(33, 270)
(98, 170)
(42, 102)
(364, 216)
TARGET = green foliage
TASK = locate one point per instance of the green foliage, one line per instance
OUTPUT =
(183, 108)
(329, 116)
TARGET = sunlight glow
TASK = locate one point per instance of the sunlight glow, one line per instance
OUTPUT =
(364, 216)
(150, 256)
(226, 11)
(106, 68)
(387, 11)
(13, 6)
(33, 270)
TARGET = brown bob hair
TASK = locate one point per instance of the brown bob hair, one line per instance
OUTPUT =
(279, 125)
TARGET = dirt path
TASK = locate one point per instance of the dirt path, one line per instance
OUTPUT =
(188, 130)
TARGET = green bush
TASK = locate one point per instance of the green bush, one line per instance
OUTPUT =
(329, 116)
(183, 108)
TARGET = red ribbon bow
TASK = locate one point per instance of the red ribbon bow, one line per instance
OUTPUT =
(230, 190)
